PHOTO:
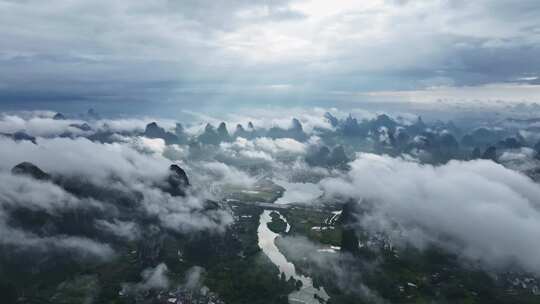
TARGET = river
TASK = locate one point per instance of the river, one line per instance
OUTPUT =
(267, 238)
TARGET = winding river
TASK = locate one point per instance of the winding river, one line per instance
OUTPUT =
(267, 238)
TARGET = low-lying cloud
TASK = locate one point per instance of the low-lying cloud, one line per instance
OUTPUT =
(480, 210)
(96, 180)
(153, 278)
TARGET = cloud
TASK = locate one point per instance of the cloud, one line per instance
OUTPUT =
(38, 125)
(265, 148)
(266, 118)
(478, 209)
(97, 181)
(80, 247)
(18, 192)
(280, 145)
(303, 193)
(258, 52)
(130, 124)
(82, 157)
(221, 173)
(447, 95)
(193, 278)
(42, 124)
(153, 278)
(121, 229)
(183, 214)
(335, 267)
(522, 159)
(150, 145)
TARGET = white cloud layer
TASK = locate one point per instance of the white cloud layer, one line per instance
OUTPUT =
(478, 209)
(119, 169)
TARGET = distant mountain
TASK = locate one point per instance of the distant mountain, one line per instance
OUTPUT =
(381, 121)
(29, 169)
(20, 136)
(180, 133)
(490, 153)
(351, 127)
(83, 127)
(324, 157)
(223, 133)
(59, 116)
(152, 130)
(296, 131)
(210, 136)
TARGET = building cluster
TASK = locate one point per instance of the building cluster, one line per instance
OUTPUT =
(189, 296)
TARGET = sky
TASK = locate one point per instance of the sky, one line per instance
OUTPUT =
(139, 56)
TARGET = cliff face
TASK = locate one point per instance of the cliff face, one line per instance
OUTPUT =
(177, 181)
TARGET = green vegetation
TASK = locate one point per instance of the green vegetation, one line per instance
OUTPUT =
(252, 280)
(246, 275)
(263, 192)
(239, 272)
(311, 223)
(407, 275)
(81, 289)
(277, 225)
